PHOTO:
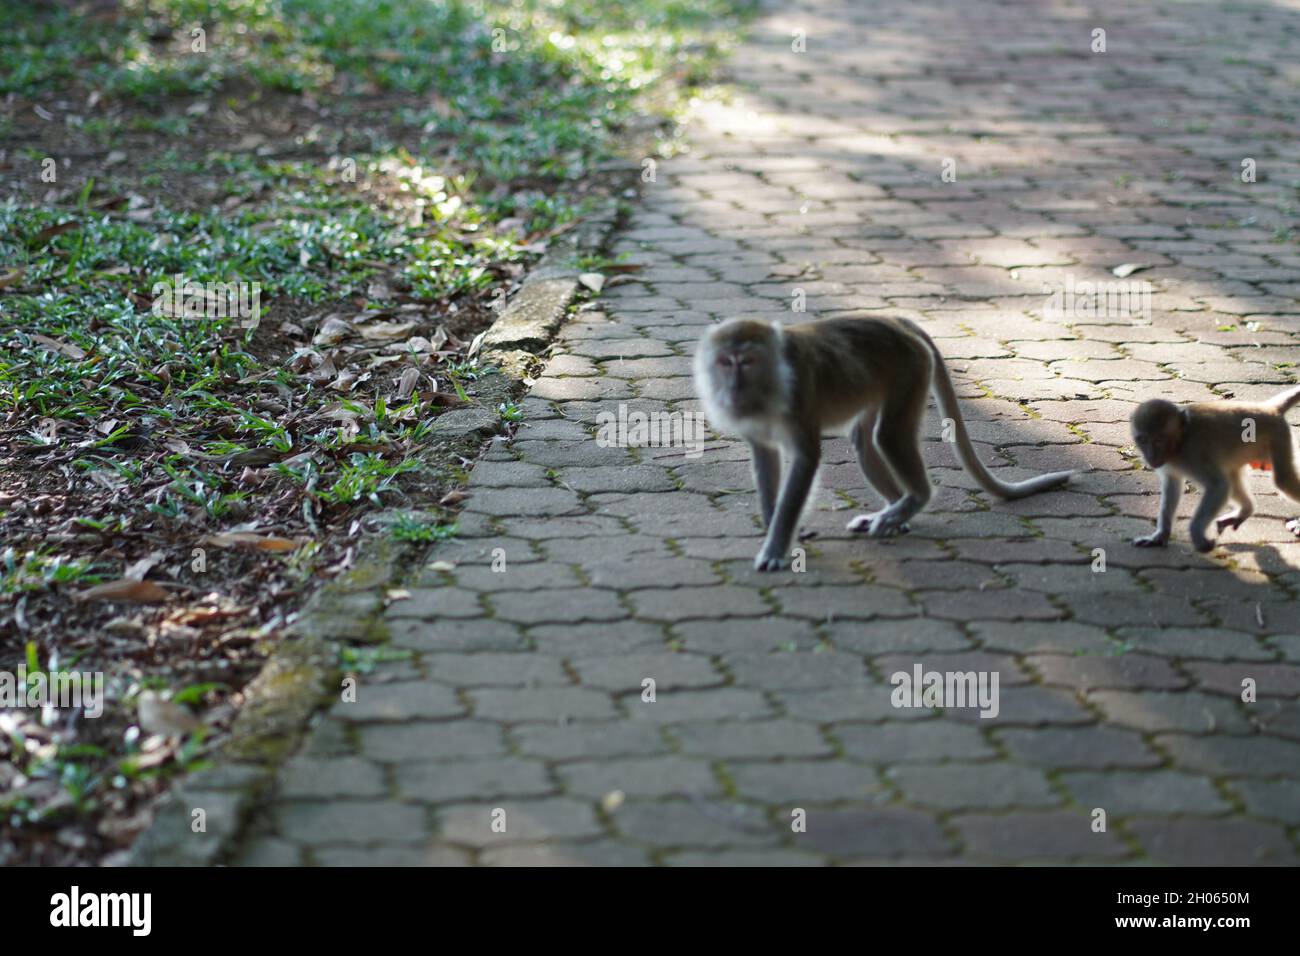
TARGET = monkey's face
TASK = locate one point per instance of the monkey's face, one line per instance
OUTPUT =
(744, 367)
(1158, 431)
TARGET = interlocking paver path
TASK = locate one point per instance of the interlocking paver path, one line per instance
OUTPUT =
(1120, 690)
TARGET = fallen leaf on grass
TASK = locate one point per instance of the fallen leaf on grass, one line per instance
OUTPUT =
(592, 280)
(49, 232)
(406, 384)
(443, 399)
(9, 276)
(332, 331)
(476, 345)
(247, 539)
(138, 570)
(386, 331)
(198, 616)
(54, 345)
(345, 380)
(140, 592)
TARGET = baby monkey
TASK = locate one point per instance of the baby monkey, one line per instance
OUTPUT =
(1213, 444)
(781, 388)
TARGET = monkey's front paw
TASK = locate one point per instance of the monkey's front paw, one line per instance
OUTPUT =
(765, 562)
(1156, 540)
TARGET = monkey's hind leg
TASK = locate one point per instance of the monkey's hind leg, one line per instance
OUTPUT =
(897, 441)
(1286, 479)
(874, 468)
(1240, 495)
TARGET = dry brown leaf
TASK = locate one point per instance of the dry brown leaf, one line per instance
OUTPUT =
(406, 384)
(139, 592)
(206, 615)
(63, 348)
(332, 331)
(476, 344)
(139, 569)
(248, 539)
(9, 276)
(386, 331)
(345, 381)
(49, 232)
(443, 399)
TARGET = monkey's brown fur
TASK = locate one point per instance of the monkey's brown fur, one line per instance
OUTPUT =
(1207, 443)
(782, 388)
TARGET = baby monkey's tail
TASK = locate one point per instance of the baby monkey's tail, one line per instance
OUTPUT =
(1285, 401)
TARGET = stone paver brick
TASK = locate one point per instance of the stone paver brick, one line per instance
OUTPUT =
(1057, 748)
(958, 786)
(315, 778)
(549, 704)
(752, 739)
(640, 777)
(517, 821)
(449, 781)
(699, 822)
(320, 823)
(886, 832)
(1182, 842)
(522, 690)
(399, 702)
(1037, 837)
(1187, 711)
(1123, 793)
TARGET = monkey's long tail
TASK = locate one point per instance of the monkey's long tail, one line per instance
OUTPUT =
(1284, 402)
(949, 407)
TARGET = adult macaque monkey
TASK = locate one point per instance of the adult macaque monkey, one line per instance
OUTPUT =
(1213, 444)
(781, 388)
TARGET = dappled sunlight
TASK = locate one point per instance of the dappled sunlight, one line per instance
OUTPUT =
(1041, 197)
